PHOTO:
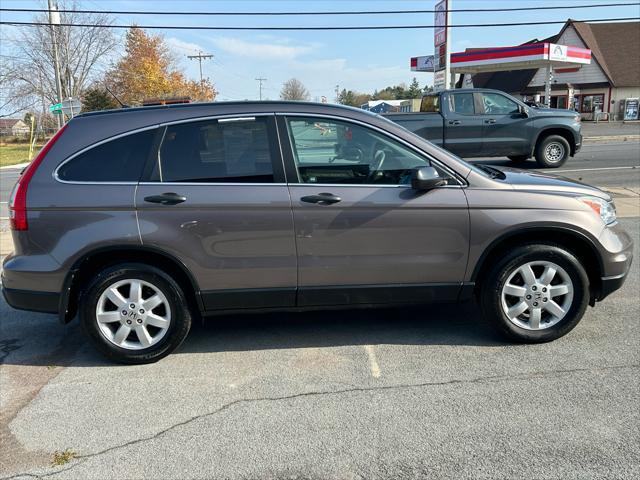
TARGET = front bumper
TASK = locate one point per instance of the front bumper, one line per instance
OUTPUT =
(610, 285)
(44, 302)
(617, 259)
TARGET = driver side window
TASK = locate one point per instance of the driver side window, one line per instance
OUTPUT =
(328, 151)
(496, 104)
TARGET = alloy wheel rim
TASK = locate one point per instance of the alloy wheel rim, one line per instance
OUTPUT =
(537, 295)
(133, 314)
(554, 152)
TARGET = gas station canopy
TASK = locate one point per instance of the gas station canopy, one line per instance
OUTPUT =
(534, 55)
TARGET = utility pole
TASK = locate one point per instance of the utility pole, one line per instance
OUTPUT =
(337, 93)
(54, 19)
(201, 56)
(260, 80)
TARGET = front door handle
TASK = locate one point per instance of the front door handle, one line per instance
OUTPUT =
(168, 198)
(455, 122)
(491, 121)
(322, 198)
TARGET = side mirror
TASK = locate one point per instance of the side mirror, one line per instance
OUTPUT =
(426, 178)
(522, 110)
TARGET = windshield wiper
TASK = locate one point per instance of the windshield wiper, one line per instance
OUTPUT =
(492, 171)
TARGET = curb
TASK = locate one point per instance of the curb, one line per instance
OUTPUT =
(6, 242)
(607, 138)
(17, 165)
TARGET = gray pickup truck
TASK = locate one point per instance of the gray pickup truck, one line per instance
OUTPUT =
(490, 123)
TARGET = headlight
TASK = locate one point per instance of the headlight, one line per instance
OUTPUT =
(605, 210)
(578, 118)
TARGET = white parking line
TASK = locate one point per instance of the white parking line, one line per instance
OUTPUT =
(373, 362)
(597, 169)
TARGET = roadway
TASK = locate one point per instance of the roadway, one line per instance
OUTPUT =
(397, 393)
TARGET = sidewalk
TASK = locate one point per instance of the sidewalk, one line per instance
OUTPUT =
(610, 131)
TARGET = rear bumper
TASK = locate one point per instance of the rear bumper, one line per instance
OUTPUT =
(44, 302)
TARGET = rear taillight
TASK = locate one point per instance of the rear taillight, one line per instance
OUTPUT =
(18, 201)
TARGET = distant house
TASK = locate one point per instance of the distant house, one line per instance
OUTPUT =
(13, 127)
(604, 86)
(387, 106)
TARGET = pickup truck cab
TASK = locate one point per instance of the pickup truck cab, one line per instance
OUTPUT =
(491, 123)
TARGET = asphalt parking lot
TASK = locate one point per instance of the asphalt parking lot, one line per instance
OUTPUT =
(402, 393)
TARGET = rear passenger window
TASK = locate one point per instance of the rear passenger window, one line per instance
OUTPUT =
(215, 151)
(461, 103)
(118, 160)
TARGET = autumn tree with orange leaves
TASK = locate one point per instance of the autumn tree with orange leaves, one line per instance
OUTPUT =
(148, 70)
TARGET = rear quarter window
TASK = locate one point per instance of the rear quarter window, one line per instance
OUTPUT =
(119, 160)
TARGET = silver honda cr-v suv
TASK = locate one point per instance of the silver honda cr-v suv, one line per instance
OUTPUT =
(140, 220)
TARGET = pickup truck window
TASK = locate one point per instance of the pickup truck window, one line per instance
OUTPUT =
(338, 152)
(461, 103)
(430, 104)
(496, 104)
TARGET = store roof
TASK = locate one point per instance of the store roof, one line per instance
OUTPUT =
(612, 45)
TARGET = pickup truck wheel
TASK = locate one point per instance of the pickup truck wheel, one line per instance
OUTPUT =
(536, 293)
(518, 158)
(134, 313)
(552, 151)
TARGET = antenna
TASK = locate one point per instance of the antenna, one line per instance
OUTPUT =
(114, 96)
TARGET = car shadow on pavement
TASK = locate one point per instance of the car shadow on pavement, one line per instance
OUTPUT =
(416, 325)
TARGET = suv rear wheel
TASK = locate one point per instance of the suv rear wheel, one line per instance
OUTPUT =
(135, 313)
(536, 293)
(552, 151)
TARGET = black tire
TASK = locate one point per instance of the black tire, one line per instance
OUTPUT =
(180, 316)
(492, 284)
(552, 151)
(518, 158)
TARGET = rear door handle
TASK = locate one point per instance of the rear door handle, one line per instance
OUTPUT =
(455, 122)
(491, 120)
(322, 198)
(168, 198)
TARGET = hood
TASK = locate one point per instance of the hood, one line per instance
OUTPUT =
(553, 112)
(548, 182)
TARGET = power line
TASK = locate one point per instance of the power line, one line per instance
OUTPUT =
(351, 27)
(260, 80)
(200, 56)
(343, 12)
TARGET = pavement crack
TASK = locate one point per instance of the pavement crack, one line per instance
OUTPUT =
(80, 459)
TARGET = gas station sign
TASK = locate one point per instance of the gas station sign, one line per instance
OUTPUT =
(440, 30)
(422, 64)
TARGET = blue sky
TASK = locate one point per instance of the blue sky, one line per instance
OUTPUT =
(358, 60)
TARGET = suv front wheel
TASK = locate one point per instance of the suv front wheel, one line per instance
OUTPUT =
(536, 293)
(135, 313)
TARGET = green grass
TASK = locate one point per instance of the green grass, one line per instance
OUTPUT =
(12, 153)
(61, 458)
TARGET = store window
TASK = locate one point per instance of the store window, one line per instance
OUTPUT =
(592, 103)
(559, 101)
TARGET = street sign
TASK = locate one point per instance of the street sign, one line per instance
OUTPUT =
(71, 106)
(422, 64)
(56, 108)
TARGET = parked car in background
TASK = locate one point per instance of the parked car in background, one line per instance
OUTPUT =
(491, 123)
(142, 220)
